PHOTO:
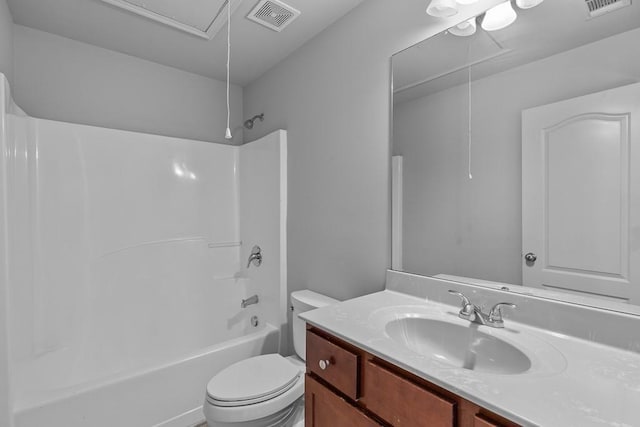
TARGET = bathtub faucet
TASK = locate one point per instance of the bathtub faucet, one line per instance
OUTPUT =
(255, 257)
(249, 301)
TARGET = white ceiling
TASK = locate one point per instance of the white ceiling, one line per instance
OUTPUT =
(255, 49)
(552, 27)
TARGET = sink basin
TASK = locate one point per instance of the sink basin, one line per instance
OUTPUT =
(459, 346)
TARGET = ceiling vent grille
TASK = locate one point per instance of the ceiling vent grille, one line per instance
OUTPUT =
(273, 14)
(600, 7)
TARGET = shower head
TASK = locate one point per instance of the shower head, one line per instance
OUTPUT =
(249, 123)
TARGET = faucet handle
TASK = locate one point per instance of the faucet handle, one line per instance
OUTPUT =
(255, 257)
(465, 300)
(495, 315)
(467, 310)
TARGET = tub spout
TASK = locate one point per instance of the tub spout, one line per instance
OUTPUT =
(249, 301)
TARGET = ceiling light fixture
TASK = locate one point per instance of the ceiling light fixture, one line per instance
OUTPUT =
(464, 29)
(499, 17)
(528, 4)
(442, 8)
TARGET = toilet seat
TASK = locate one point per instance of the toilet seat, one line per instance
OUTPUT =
(254, 388)
(252, 380)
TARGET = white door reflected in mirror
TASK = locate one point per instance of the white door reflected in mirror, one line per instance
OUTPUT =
(579, 176)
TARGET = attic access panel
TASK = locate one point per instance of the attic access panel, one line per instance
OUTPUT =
(203, 18)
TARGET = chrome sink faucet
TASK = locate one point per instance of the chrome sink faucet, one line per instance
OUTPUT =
(474, 314)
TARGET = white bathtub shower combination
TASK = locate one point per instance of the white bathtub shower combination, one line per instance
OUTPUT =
(127, 267)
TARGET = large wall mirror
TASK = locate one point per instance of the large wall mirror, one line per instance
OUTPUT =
(516, 153)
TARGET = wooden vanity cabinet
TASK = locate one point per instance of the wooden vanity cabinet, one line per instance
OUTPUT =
(346, 386)
(323, 407)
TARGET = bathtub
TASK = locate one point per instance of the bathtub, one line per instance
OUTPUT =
(167, 395)
(128, 266)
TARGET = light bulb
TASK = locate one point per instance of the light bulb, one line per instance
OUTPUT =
(464, 29)
(442, 8)
(499, 17)
(466, 2)
(227, 134)
(528, 4)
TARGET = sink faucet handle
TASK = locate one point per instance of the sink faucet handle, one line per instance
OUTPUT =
(467, 310)
(465, 300)
(495, 315)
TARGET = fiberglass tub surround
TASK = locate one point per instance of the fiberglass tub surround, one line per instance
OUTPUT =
(552, 364)
(129, 259)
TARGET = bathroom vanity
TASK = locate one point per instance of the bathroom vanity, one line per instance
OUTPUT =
(346, 383)
(405, 357)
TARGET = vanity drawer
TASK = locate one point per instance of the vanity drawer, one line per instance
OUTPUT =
(400, 402)
(341, 371)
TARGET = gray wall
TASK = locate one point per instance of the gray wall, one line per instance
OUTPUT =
(6, 41)
(472, 228)
(61, 79)
(333, 96)
(6, 67)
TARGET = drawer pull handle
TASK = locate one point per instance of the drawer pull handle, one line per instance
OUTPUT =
(324, 364)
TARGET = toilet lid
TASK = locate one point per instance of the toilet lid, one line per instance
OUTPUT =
(252, 380)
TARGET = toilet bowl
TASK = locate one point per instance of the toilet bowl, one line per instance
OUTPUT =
(266, 390)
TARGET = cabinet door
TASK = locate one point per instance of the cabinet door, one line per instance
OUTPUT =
(481, 422)
(323, 408)
(486, 419)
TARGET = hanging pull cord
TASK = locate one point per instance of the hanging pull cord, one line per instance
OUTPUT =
(469, 124)
(228, 131)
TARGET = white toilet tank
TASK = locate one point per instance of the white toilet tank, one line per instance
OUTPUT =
(302, 301)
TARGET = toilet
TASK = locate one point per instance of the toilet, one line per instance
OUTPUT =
(266, 390)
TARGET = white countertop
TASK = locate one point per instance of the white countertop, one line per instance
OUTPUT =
(572, 382)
